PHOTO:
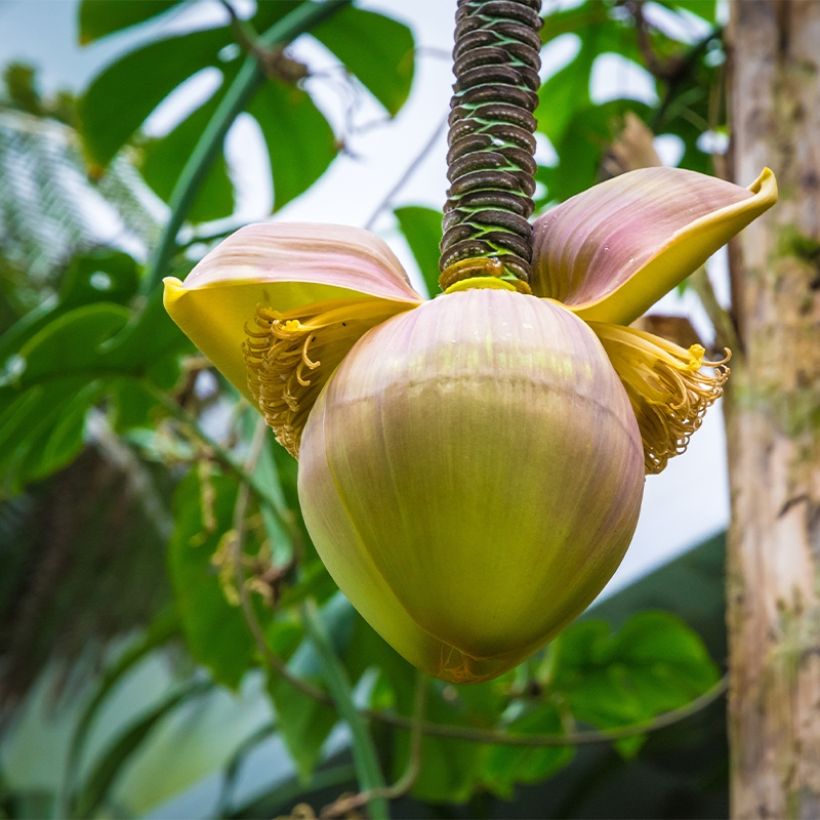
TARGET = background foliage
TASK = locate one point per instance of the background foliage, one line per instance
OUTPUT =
(157, 573)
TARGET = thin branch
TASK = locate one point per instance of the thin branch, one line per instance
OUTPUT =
(274, 62)
(665, 70)
(408, 172)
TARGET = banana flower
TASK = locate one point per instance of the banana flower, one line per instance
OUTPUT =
(471, 467)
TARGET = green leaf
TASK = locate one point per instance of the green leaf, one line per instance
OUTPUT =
(148, 345)
(378, 50)
(50, 383)
(99, 18)
(574, 20)
(705, 9)
(300, 142)
(586, 137)
(71, 342)
(562, 94)
(124, 746)
(214, 629)
(654, 664)
(157, 634)
(506, 766)
(422, 230)
(161, 163)
(99, 274)
(43, 429)
(126, 91)
(64, 368)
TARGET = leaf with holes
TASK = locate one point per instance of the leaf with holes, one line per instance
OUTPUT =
(377, 50)
(99, 18)
(300, 142)
(125, 92)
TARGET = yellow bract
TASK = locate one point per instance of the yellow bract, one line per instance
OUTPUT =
(290, 355)
(670, 387)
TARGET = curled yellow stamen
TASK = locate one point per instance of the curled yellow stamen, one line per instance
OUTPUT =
(670, 387)
(290, 356)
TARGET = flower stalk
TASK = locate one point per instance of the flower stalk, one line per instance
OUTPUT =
(491, 164)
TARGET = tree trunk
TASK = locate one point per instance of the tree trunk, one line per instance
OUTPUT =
(773, 417)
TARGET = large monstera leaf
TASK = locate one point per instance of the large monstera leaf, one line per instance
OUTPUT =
(299, 140)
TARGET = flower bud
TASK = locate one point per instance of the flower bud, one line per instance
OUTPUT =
(471, 476)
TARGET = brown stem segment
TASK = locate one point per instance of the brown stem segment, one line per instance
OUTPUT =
(491, 165)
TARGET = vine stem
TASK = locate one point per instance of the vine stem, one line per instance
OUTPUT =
(248, 78)
(344, 806)
(371, 780)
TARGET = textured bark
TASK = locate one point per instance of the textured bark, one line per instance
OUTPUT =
(773, 415)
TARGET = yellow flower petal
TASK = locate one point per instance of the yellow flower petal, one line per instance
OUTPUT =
(284, 267)
(611, 252)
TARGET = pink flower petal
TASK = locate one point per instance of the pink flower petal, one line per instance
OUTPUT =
(337, 255)
(611, 252)
(284, 267)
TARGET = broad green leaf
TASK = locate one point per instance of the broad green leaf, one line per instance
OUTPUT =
(112, 760)
(268, 13)
(304, 724)
(65, 368)
(563, 94)
(50, 383)
(157, 634)
(422, 230)
(65, 438)
(126, 91)
(300, 142)
(655, 663)
(162, 160)
(99, 274)
(576, 20)
(587, 136)
(378, 50)
(99, 18)
(148, 345)
(705, 9)
(215, 631)
(506, 766)
(70, 343)
(41, 429)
